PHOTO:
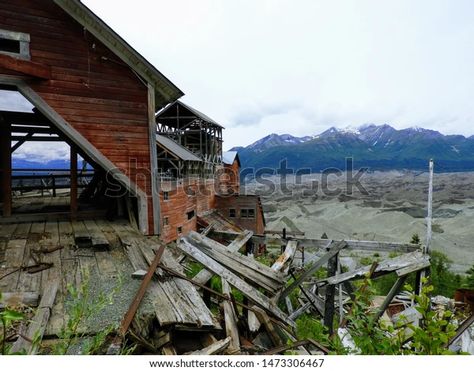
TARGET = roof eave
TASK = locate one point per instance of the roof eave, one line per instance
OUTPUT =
(167, 92)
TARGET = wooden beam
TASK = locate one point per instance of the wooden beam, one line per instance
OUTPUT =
(155, 185)
(282, 264)
(29, 68)
(20, 142)
(128, 318)
(37, 326)
(330, 295)
(361, 245)
(405, 263)
(463, 327)
(15, 299)
(6, 167)
(230, 317)
(334, 248)
(256, 296)
(263, 318)
(215, 348)
(74, 194)
(388, 299)
(30, 138)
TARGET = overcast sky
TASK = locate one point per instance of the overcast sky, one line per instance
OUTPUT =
(301, 66)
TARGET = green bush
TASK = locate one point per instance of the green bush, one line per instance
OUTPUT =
(444, 281)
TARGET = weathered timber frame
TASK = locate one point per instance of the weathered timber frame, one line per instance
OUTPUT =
(195, 131)
(76, 138)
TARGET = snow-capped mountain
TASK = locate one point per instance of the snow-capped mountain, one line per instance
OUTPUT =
(378, 146)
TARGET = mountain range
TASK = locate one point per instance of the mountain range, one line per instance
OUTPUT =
(379, 147)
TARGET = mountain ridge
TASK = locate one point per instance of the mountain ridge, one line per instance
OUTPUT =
(380, 147)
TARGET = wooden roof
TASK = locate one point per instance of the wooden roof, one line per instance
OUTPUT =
(179, 113)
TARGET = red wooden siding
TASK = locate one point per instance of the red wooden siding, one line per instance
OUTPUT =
(180, 203)
(238, 202)
(90, 87)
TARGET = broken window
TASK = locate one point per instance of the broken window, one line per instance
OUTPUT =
(190, 214)
(15, 44)
(179, 230)
(232, 213)
(166, 221)
(166, 196)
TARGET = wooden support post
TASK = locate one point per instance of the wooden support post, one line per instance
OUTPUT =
(334, 248)
(388, 299)
(6, 167)
(74, 207)
(330, 295)
(426, 249)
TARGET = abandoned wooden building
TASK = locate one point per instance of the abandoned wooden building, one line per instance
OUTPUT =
(153, 171)
(93, 91)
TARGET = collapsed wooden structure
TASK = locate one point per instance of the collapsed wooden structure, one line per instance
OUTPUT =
(176, 310)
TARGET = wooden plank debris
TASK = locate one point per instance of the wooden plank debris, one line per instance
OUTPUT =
(98, 239)
(256, 272)
(240, 241)
(204, 275)
(15, 299)
(263, 318)
(385, 266)
(334, 248)
(215, 348)
(328, 319)
(256, 296)
(362, 245)
(230, 318)
(82, 237)
(282, 264)
(37, 326)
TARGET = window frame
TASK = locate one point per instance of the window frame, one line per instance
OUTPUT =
(191, 214)
(232, 211)
(23, 40)
(247, 213)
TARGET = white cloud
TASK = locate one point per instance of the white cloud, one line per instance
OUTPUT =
(43, 152)
(300, 66)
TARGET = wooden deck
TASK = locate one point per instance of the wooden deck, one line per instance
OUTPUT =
(98, 252)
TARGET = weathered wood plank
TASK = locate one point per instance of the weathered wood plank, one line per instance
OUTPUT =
(14, 299)
(247, 290)
(98, 239)
(215, 348)
(258, 273)
(37, 327)
(240, 241)
(385, 266)
(282, 264)
(334, 248)
(230, 318)
(82, 235)
(263, 318)
(362, 245)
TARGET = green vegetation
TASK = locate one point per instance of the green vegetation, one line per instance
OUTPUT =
(443, 280)
(372, 336)
(8, 318)
(469, 280)
(81, 308)
(415, 239)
